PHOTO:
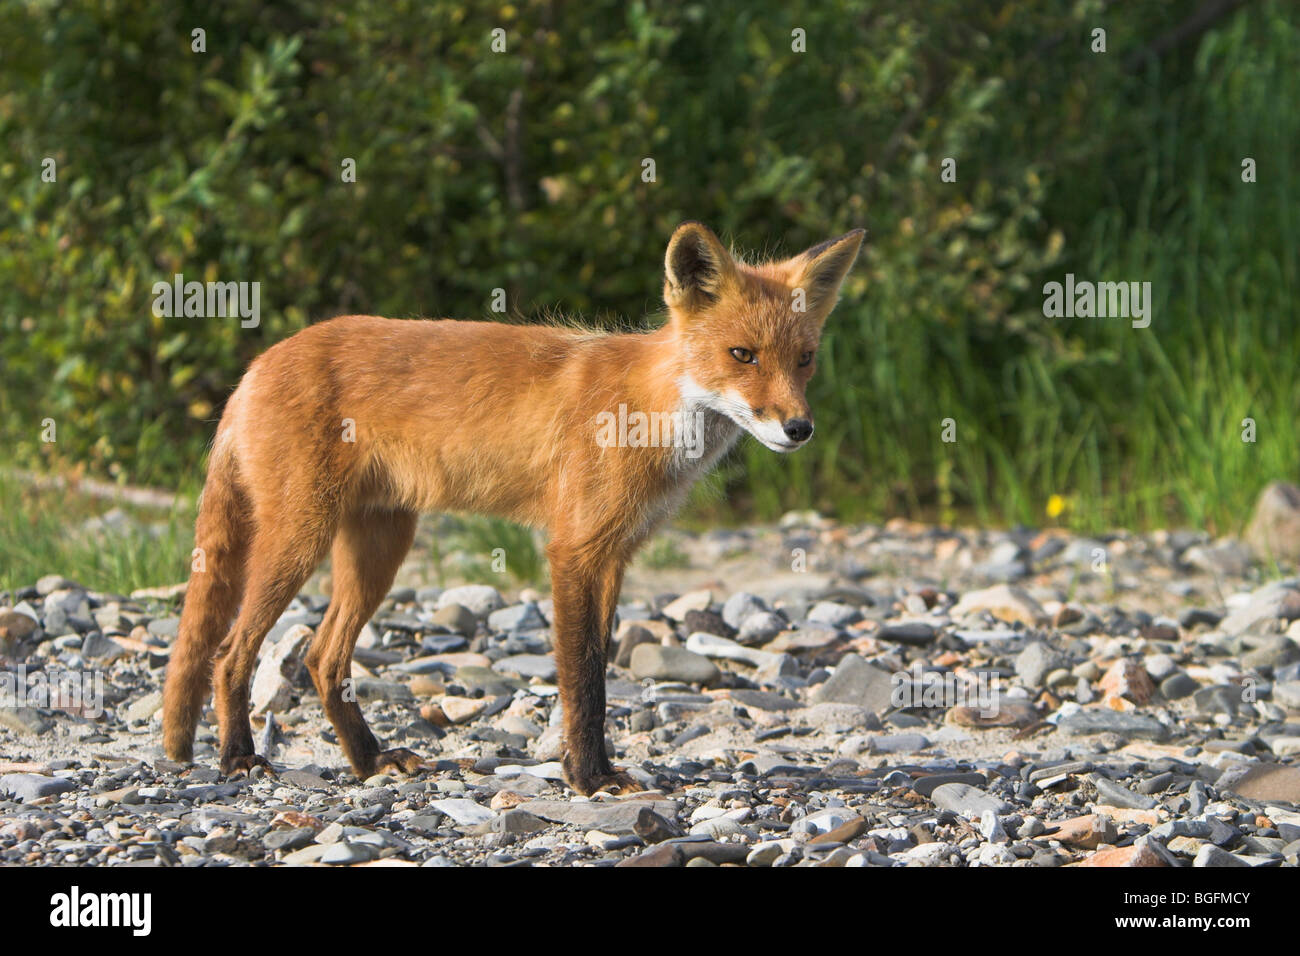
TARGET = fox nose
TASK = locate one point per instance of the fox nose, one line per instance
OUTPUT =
(798, 429)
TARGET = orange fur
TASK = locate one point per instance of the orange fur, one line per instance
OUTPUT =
(487, 418)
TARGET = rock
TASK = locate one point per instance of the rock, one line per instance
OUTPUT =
(764, 700)
(456, 618)
(834, 614)
(1006, 713)
(653, 828)
(928, 854)
(618, 817)
(1287, 694)
(1115, 795)
(970, 802)
(1005, 602)
(348, 853)
(691, 601)
(1128, 679)
(898, 744)
(1100, 721)
(24, 721)
(991, 828)
(458, 710)
(1276, 601)
(517, 617)
(761, 627)
(1035, 662)
(656, 662)
(54, 582)
(1269, 782)
(1088, 831)
(707, 622)
(630, 635)
(840, 718)
(474, 678)
(917, 633)
(817, 824)
(1177, 686)
(1226, 558)
(540, 666)
(812, 637)
(1211, 855)
(479, 599)
(14, 629)
(26, 787)
(279, 670)
(143, 708)
(1274, 529)
(662, 855)
(466, 813)
(515, 821)
(1138, 854)
(711, 645)
(1218, 699)
(857, 682)
(926, 786)
(1272, 653)
(740, 606)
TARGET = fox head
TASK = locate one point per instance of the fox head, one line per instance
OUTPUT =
(748, 334)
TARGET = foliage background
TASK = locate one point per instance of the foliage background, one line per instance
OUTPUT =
(522, 170)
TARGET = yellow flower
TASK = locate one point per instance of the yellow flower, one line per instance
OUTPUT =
(1055, 506)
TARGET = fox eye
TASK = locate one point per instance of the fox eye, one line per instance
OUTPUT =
(743, 355)
(805, 359)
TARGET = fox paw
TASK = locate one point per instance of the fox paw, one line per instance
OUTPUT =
(615, 782)
(399, 760)
(244, 763)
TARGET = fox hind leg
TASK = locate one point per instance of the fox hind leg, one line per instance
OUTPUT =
(280, 561)
(368, 549)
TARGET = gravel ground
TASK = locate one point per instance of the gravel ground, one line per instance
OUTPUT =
(803, 694)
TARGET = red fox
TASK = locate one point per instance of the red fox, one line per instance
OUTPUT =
(340, 435)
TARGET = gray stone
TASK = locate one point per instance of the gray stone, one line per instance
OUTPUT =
(541, 666)
(1035, 662)
(915, 633)
(1101, 721)
(467, 813)
(856, 681)
(25, 721)
(26, 787)
(1274, 601)
(834, 614)
(456, 618)
(518, 617)
(1112, 794)
(970, 802)
(1211, 855)
(656, 662)
(479, 599)
(1274, 529)
(617, 818)
(1177, 686)
(761, 627)
(740, 606)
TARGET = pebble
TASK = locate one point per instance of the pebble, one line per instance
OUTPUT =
(1128, 729)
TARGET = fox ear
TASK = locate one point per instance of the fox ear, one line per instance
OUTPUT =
(696, 267)
(819, 271)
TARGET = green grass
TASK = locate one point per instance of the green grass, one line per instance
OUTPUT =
(1131, 427)
(42, 532)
